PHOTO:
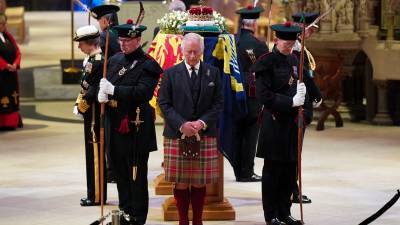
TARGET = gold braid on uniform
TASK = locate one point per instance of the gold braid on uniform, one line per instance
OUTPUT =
(82, 104)
(311, 59)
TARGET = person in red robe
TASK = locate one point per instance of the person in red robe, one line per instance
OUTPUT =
(10, 58)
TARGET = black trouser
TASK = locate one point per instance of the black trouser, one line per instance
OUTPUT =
(109, 167)
(245, 141)
(296, 192)
(93, 159)
(133, 195)
(278, 180)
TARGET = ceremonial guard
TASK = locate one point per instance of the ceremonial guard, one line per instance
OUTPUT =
(280, 93)
(88, 106)
(309, 65)
(249, 48)
(107, 17)
(132, 76)
(190, 99)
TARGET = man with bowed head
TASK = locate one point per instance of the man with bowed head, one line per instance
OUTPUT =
(190, 99)
(279, 91)
(132, 76)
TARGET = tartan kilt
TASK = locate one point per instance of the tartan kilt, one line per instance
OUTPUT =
(204, 170)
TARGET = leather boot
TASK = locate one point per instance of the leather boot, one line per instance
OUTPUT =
(182, 203)
(197, 196)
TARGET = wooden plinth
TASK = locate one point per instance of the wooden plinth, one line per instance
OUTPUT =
(162, 187)
(212, 210)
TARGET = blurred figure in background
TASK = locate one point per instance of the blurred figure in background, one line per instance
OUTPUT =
(10, 58)
(249, 48)
(107, 17)
(3, 6)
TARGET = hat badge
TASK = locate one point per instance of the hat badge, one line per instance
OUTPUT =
(132, 32)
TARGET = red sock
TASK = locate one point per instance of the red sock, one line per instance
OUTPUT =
(197, 197)
(182, 203)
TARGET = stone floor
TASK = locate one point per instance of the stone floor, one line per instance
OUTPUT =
(348, 172)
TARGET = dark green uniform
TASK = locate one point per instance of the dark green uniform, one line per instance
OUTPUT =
(134, 76)
(249, 48)
(276, 85)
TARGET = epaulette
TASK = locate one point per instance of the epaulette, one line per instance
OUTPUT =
(152, 65)
(260, 64)
(149, 57)
(264, 55)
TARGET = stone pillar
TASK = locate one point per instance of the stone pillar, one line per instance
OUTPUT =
(382, 116)
(371, 6)
(325, 26)
(390, 28)
(363, 20)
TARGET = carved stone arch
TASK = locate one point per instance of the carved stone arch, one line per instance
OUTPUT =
(362, 101)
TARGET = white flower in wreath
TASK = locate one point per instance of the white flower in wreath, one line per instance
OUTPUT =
(219, 20)
(171, 22)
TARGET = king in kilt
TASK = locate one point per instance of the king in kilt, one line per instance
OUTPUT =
(190, 100)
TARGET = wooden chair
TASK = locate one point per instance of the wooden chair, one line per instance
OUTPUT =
(329, 79)
(16, 21)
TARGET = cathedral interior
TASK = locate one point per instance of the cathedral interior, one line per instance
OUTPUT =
(351, 151)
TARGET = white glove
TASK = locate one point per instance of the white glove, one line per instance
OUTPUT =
(300, 96)
(317, 104)
(106, 87)
(301, 88)
(76, 112)
(102, 97)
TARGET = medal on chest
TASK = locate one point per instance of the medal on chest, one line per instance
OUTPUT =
(88, 67)
(122, 71)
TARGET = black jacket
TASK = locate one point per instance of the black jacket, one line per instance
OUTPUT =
(246, 42)
(135, 77)
(92, 73)
(176, 103)
(276, 80)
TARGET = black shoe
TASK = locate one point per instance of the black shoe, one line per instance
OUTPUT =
(275, 221)
(88, 202)
(292, 221)
(304, 199)
(132, 221)
(252, 178)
